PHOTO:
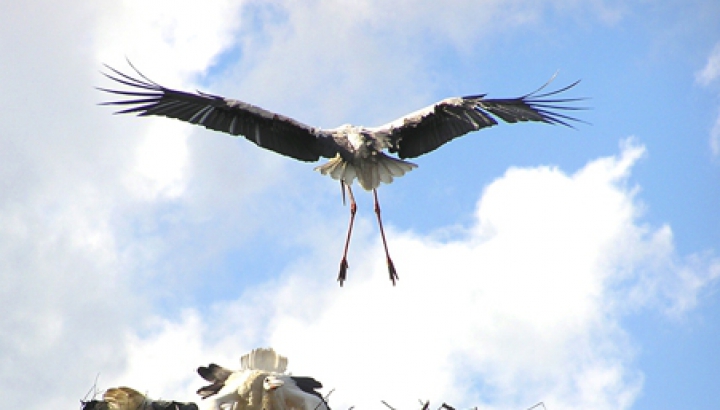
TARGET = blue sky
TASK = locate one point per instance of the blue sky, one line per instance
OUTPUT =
(578, 267)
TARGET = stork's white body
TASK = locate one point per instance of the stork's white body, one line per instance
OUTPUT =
(242, 391)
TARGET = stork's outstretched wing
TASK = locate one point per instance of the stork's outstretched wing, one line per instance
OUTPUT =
(427, 129)
(264, 128)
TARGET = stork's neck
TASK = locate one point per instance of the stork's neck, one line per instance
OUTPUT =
(274, 400)
(355, 136)
(356, 139)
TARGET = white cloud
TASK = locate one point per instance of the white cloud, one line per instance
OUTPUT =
(316, 53)
(70, 274)
(715, 136)
(83, 243)
(705, 77)
(160, 162)
(711, 71)
(188, 39)
(526, 307)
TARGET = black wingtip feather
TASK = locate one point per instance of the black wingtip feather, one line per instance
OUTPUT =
(536, 106)
(264, 128)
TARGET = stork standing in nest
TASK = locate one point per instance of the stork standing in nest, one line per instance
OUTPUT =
(260, 384)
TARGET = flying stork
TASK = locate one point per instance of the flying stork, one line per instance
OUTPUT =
(355, 152)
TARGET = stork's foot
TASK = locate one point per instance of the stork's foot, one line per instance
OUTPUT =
(391, 269)
(343, 271)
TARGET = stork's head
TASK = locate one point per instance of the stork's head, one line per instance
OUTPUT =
(271, 383)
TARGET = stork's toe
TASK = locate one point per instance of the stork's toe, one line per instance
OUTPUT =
(343, 271)
(391, 269)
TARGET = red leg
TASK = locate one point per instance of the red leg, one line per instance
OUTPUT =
(353, 208)
(391, 266)
(342, 190)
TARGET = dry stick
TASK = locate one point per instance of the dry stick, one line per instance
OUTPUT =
(325, 398)
(93, 389)
(389, 406)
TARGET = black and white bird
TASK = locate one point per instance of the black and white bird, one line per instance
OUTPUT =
(126, 398)
(355, 152)
(283, 392)
(260, 382)
(243, 388)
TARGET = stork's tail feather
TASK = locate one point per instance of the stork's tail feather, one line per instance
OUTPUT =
(369, 173)
(383, 169)
(338, 169)
(265, 360)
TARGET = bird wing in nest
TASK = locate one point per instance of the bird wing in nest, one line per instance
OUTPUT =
(216, 375)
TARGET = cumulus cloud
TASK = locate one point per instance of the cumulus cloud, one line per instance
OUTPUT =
(525, 307)
(69, 187)
(366, 49)
(102, 217)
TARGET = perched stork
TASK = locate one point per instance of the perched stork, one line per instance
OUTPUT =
(355, 152)
(284, 392)
(242, 388)
(126, 398)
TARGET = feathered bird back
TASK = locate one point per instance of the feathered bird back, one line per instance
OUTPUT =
(124, 398)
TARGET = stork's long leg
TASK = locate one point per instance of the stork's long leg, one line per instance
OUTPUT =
(353, 208)
(391, 266)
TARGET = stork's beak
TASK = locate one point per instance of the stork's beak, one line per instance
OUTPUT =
(273, 383)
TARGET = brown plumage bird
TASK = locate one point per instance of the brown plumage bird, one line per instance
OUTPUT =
(126, 398)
